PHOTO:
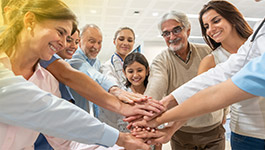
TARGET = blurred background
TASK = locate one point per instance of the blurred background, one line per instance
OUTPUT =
(143, 15)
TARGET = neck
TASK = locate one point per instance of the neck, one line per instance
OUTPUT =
(122, 56)
(183, 53)
(138, 89)
(23, 62)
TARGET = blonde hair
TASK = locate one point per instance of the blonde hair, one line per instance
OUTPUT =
(42, 9)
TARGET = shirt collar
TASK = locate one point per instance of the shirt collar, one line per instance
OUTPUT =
(39, 71)
(90, 61)
(188, 56)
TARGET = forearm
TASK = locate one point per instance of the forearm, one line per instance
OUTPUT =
(83, 85)
(208, 100)
(24, 104)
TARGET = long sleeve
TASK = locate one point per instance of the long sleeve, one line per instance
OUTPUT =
(158, 79)
(223, 71)
(24, 104)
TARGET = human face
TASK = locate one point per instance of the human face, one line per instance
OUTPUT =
(136, 73)
(124, 42)
(71, 46)
(90, 43)
(48, 37)
(217, 27)
(175, 42)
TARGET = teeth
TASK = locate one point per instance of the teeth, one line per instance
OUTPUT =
(53, 48)
(70, 52)
(216, 34)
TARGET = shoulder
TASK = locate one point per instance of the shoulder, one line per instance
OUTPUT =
(206, 63)
(201, 47)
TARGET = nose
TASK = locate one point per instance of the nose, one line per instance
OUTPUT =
(172, 36)
(135, 74)
(96, 45)
(209, 30)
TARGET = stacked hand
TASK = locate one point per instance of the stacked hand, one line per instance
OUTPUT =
(143, 122)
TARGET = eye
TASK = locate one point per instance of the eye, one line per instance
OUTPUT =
(77, 42)
(165, 33)
(130, 40)
(121, 38)
(61, 33)
(217, 20)
(130, 71)
(69, 39)
(177, 29)
(206, 26)
(140, 70)
(91, 41)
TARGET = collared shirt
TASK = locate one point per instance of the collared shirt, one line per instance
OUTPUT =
(251, 78)
(23, 104)
(14, 137)
(90, 67)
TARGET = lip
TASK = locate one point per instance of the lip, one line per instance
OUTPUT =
(216, 34)
(53, 48)
(70, 51)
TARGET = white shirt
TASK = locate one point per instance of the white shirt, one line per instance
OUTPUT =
(19, 98)
(224, 71)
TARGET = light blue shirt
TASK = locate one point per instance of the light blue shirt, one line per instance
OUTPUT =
(90, 67)
(251, 78)
(23, 104)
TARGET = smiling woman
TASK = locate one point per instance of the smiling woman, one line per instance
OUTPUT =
(37, 31)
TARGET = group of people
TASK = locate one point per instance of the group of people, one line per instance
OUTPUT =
(42, 34)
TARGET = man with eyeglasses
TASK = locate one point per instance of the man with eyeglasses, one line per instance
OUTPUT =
(174, 67)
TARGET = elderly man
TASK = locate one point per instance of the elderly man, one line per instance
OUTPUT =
(174, 67)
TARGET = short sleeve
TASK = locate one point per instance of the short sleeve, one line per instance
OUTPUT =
(251, 78)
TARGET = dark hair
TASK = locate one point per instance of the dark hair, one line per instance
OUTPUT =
(135, 57)
(42, 9)
(231, 14)
(123, 28)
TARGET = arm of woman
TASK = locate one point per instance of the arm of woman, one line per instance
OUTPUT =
(206, 64)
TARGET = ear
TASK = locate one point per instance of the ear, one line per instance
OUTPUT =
(124, 72)
(29, 20)
(147, 71)
(114, 42)
(188, 32)
(6, 9)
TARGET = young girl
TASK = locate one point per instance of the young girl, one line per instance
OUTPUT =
(136, 70)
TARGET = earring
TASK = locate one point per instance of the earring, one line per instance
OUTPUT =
(29, 28)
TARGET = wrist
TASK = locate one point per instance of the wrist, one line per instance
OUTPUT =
(121, 139)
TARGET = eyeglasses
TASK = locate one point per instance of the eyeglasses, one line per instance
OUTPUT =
(175, 31)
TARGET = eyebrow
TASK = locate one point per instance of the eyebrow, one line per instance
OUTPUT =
(65, 32)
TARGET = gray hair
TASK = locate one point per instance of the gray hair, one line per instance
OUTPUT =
(175, 15)
(84, 29)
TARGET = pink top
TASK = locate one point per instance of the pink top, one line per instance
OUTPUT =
(17, 138)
